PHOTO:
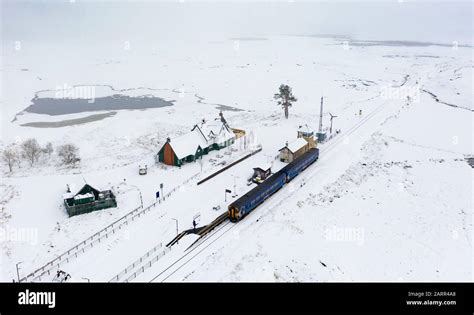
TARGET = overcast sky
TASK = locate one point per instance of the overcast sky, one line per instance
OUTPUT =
(427, 21)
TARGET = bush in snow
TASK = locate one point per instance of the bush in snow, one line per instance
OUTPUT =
(10, 157)
(31, 150)
(68, 153)
(48, 148)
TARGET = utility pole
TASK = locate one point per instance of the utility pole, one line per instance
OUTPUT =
(321, 116)
(17, 271)
(235, 186)
(332, 116)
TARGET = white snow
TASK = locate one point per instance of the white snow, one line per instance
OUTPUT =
(390, 198)
(296, 144)
(188, 144)
(84, 196)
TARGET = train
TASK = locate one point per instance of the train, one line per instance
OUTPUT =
(252, 199)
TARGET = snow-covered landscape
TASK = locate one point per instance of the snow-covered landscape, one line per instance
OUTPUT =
(389, 199)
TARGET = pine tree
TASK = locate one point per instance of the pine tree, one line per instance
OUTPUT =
(285, 98)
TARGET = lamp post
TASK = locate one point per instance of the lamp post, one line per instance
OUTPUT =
(235, 186)
(139, 193)
(18, 270)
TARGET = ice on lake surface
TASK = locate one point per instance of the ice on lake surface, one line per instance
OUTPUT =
(69, 122)
(64, 106)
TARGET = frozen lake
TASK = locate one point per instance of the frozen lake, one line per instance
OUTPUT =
(64, 106)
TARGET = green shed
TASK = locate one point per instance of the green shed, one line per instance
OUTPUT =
(88, 199)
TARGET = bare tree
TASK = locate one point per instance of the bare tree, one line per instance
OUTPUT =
(285, 98)
(18, 153)
(48, 148)
(68, 153)
(10, 156)
(31, 150)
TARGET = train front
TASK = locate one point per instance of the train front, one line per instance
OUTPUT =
(233, 213)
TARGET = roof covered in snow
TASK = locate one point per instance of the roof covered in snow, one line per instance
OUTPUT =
(68, 195)
(76, 187)
(202, 135)
(84, 196)
(263, 166)
(296, 145)
(223, 134)
(187, 144)
(215, 132)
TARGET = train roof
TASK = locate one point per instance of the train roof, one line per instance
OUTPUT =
(297, 160)
(269, 181)
(254, 191)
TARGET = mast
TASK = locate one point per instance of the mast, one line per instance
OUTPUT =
(321, 116)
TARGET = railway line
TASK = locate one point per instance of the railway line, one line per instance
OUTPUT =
(205, 241)
(194, 250)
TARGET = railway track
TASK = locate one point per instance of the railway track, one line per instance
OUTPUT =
(201, 231)
(194, 250)
(213, 237)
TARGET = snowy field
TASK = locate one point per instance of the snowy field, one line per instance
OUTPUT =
(390, 198)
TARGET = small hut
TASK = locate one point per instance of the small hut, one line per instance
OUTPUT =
(293, 150)
(261, 173)
(88, 199)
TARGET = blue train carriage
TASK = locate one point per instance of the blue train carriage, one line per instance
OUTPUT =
(300, 164)
(242, 206)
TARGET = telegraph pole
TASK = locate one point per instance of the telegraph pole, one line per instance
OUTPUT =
(321, 116)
